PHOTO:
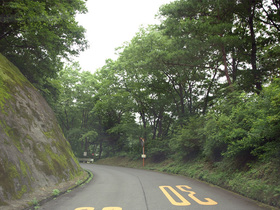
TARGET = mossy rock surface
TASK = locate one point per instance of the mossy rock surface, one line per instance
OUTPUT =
(33, 150)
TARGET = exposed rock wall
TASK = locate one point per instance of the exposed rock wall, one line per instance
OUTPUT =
(33, 150)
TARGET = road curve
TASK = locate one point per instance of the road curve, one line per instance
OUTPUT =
(121, 188)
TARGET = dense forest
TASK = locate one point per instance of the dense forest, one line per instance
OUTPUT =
(202, 88)
(204, 83)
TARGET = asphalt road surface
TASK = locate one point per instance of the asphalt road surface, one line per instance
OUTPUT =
(118, 188)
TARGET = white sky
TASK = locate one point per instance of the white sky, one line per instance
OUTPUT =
(110, 23)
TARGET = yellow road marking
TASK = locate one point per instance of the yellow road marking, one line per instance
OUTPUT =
(169, 197)
(85, 208)
(208, 202)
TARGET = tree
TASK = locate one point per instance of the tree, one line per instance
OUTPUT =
(263, 23)
(74, 106)
(66, 108)
(141, 70)
(188, 84)
(113, 111)
(204, 30)
(37, 35)
(246, 131)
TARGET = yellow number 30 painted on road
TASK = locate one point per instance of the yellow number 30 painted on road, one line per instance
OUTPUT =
(105, 208)
(184, 202)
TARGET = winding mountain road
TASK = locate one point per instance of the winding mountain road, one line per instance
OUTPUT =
(118, 188)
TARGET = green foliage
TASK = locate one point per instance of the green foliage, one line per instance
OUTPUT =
(158, 150)
(249, 130)
(89, 134)
(35, 202)
(55, 192)
(187, 142)
(37, 35)
(191, 87)
(73, 108)
(73, 136)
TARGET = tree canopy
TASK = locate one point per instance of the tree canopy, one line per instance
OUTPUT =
(202, 88)
(201, 84)
(38, 35)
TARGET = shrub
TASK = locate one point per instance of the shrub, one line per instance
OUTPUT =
(55, 192)
(251, 129)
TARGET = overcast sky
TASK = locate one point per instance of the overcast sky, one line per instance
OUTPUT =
(110, 23)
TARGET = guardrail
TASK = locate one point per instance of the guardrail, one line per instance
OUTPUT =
(86, 160)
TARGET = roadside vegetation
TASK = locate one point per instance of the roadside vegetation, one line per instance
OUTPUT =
(202, 89)
(259, 183)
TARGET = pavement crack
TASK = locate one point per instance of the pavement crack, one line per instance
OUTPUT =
(147, 207)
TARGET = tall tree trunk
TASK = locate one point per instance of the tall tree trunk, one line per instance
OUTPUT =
(226, 67)
(224, 56)
(182, 98)
(190, 99)
(100, 148)
(160, 117)
(256, 73)
(142, 114)
(234, 66)
(155, 128)
(86, 145)
(208, 92)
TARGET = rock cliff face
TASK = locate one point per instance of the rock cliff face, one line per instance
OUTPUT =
(33, 150)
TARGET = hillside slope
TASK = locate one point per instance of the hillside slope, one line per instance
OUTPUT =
(33, 150)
